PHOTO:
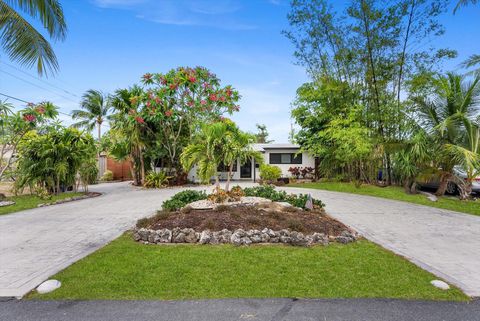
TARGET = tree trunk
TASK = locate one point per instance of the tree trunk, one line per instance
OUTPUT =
(227, 185)
(132, 171)
(464, 189)
(407, 185)
(142, 167)
(217, 183)
(413, 188)
(442, 187)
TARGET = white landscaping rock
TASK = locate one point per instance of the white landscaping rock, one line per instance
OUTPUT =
(440, 284)
(6, 203)
(48, 286)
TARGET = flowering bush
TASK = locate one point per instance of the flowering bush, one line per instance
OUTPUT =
(174, 103)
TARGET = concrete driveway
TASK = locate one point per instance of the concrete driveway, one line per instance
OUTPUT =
(37, 243)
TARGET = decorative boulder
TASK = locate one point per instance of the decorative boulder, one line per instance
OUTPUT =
(163, 236)
(48, 286)
(440, 284)
(205, 237)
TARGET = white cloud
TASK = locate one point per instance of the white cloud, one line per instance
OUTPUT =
(208, 13)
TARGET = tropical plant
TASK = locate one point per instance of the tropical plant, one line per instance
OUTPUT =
(128, 136)
(360, 62)
(450, 117)
(261, 136)
(269, 192)
(87, 173)
(462, 3)
(270, 173)
(51, 159)
(177, 102)
(95, 107)
(107, 176)
(206, 151)
(295, 171)
(15, 126)
(156, 179)
(22, 42)
(237, 146)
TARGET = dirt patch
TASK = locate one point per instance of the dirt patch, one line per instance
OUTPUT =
(247, 218)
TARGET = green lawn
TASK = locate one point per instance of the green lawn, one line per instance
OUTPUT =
(397, 193)
(125, 269)
(25, 202)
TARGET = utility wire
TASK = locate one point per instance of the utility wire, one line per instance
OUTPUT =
(28, 102)
(40, 79)
(38, 86)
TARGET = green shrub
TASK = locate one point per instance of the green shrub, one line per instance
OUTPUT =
(156, 179)
(297, 200)
(270, 172)
(183, 198)
(107, 176)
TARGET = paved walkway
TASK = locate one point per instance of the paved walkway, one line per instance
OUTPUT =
(37, 243)
(241, 309)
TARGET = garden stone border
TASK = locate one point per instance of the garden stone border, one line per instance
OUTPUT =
(71, 199)
(239, 237)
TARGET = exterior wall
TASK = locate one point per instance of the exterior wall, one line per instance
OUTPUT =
(120, 170)
(307, 160)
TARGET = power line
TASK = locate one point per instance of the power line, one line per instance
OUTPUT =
(38, 86)
(39, 79)
(28, 102)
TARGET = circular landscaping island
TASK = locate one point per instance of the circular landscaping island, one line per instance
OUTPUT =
(242, 217)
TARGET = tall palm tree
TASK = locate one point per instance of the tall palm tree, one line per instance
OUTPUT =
(95, 108)
(450, 117)
(22, 42)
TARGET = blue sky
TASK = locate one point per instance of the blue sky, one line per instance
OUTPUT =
(111, 43)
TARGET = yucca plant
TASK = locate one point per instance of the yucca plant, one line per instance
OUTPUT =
(157, 179)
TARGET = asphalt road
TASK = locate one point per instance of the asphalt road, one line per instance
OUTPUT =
(240, 309)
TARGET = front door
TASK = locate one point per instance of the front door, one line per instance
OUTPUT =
(246, 170)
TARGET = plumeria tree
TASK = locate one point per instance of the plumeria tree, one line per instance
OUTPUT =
(14, 127)
(176, 103)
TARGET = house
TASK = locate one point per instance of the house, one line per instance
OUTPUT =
(282, 155)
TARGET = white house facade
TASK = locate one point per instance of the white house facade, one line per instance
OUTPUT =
(282, 155)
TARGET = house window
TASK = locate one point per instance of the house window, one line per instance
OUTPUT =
(285, 158)
(223, 168)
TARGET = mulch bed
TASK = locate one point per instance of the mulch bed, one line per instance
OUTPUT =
(247, 218)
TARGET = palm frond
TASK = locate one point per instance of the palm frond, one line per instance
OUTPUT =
(23, 43)
(49, 12)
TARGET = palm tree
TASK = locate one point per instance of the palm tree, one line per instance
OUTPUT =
(22, 42)
(127, 137)
(238, 146)
(95, 107)
(206, 151)
(462, 3)
(449, 117)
